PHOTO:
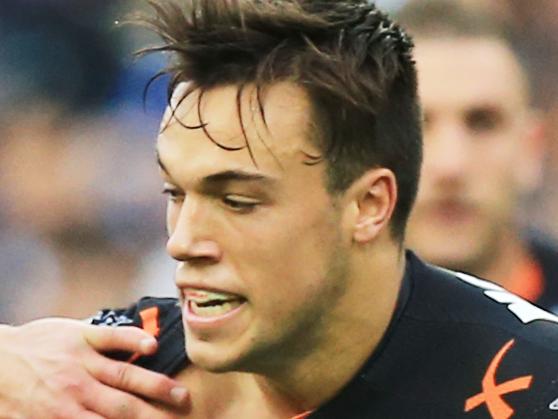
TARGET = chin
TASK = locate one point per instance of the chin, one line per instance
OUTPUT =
(212, 357)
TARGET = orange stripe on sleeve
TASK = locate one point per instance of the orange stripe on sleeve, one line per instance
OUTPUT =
(150, 320)
(149, 323)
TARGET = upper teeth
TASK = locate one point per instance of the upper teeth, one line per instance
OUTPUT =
(201, 297)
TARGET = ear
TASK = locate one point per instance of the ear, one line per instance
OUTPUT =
(374, 196)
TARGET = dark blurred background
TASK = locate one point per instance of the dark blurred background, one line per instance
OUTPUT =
(81, 214)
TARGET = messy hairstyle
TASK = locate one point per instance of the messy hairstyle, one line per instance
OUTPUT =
(353, 62)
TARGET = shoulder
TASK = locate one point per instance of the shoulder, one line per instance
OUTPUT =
(454, 298)
(464, 345)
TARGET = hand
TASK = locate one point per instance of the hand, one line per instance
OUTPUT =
(52, 368)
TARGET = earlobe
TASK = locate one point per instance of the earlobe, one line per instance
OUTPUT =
(376, 194)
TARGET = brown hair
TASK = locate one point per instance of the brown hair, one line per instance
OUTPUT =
(351, 59)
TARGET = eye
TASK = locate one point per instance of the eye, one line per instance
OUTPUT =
(484, 119)
(173, 194)
(240, 203)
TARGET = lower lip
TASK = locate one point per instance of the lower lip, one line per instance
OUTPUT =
(197, 322)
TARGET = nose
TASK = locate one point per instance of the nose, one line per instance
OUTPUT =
(190, 237)
(447, 152)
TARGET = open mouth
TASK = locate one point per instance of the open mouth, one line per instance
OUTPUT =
(212, 304)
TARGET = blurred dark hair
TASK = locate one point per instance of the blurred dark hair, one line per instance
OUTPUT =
(442, 18)
(354, 63)
(453, 18)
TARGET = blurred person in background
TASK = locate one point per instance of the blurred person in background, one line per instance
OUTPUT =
(90, 216)
(75, 221)
(76, 217)
(536, 35)
(484, 150)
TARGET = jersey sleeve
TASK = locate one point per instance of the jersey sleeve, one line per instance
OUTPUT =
(160, 317)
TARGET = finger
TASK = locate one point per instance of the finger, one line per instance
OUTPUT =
(137, 380)
(124, 338)
(112, 403)
(89, 415)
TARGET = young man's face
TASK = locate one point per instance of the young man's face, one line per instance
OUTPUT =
(478, 146)
(260, 247)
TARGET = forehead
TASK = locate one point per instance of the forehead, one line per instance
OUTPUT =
(467, 71)
(232, 118)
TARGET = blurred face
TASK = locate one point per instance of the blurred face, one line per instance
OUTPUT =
(260, 248)
(479, 153)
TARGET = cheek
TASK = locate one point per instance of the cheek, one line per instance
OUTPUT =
(496, 178)
(272, 248)
(292, 253)
(496, 163)
(297, 253)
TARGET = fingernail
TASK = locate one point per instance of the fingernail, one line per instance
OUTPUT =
(179, 394)
(148, 345)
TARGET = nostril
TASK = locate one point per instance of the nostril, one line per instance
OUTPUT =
(200, 261)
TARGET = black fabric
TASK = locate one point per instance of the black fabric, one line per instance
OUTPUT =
(171, 354)
(445, 333)
(439, 351)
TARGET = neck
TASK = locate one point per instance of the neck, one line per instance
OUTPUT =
(510, 253)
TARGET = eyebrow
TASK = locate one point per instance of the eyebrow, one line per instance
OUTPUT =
(225, 176)
(235, 175)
